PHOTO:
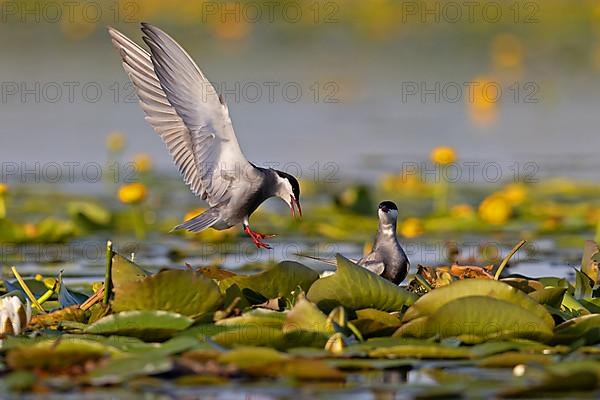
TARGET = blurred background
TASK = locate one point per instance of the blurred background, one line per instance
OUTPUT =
(440, 106)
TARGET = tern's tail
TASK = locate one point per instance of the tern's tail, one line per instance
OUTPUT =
(200, 222)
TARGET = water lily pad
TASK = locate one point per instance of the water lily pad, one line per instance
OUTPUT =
(123, 369)
(250, 335)
(251, 357)
(56, 354)
(432, 350)
(583, 285)
(435, 299)
(299, 369)
(512, 358)
(183, 292)
(146, 325)
(586, 327)
(279, 281)
(355, 287)
(305, 316)
(551, 296)
(258, 317)
(125, 271)
(372, 322)
(90, 214)
(474, 319)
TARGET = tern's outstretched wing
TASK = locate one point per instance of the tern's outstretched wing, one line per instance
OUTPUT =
(185, 110)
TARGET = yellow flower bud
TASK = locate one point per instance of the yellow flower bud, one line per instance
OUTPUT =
(3, 189)
(115, 142)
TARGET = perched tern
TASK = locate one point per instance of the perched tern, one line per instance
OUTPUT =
(387, 258)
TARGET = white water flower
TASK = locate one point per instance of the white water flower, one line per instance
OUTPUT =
(14, 315)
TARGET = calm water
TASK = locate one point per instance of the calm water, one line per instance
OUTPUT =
(327, 110)
(342, 109)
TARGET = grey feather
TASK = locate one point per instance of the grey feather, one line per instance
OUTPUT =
(200, 222)
(184, 109)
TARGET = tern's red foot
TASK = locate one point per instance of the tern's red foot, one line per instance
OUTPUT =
(256, 238)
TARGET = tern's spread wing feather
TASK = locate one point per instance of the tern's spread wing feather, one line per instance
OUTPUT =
(184, 109)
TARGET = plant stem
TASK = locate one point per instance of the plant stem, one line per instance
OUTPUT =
(508, 256)
(27, 291)
(139, 225)
(440, 196)
(2, 206)
(108, 273)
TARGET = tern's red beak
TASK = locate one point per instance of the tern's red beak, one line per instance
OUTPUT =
(295, 203)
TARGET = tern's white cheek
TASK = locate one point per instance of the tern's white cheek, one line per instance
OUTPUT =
(285, 191)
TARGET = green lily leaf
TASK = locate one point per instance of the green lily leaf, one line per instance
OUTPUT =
(251, 357)
(146, 325)
(279, 281)
(372, 322)
(583, 285)
(512, 358)
(355, 287)
(434, 300)
(586, 327)
(305, 316)
(125, 271)
(56, 354)
(89, 214)
(551, 296)
(299, 369)
(430, 350)
(123, 369)
(250, 335)
(183, 292)
(473, 319)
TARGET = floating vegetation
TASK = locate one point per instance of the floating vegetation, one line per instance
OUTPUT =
(205, 327)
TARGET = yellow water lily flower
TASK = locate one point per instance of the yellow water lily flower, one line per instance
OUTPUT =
(495, 209)
(3, 189)
(507, 51)
(443, 155)
(515, 193)
(115, 141)
(462, 211)
(411, 227)
(132, 193)
(143, 162)
(30, 230)
(14, 315)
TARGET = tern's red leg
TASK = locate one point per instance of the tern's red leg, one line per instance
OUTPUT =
(256, 238)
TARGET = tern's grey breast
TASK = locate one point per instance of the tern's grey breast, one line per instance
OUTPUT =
(247, 194)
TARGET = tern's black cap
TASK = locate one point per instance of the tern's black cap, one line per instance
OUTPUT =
(385, 206)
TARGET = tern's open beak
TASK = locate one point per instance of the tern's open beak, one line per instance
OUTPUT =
(295, 203)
